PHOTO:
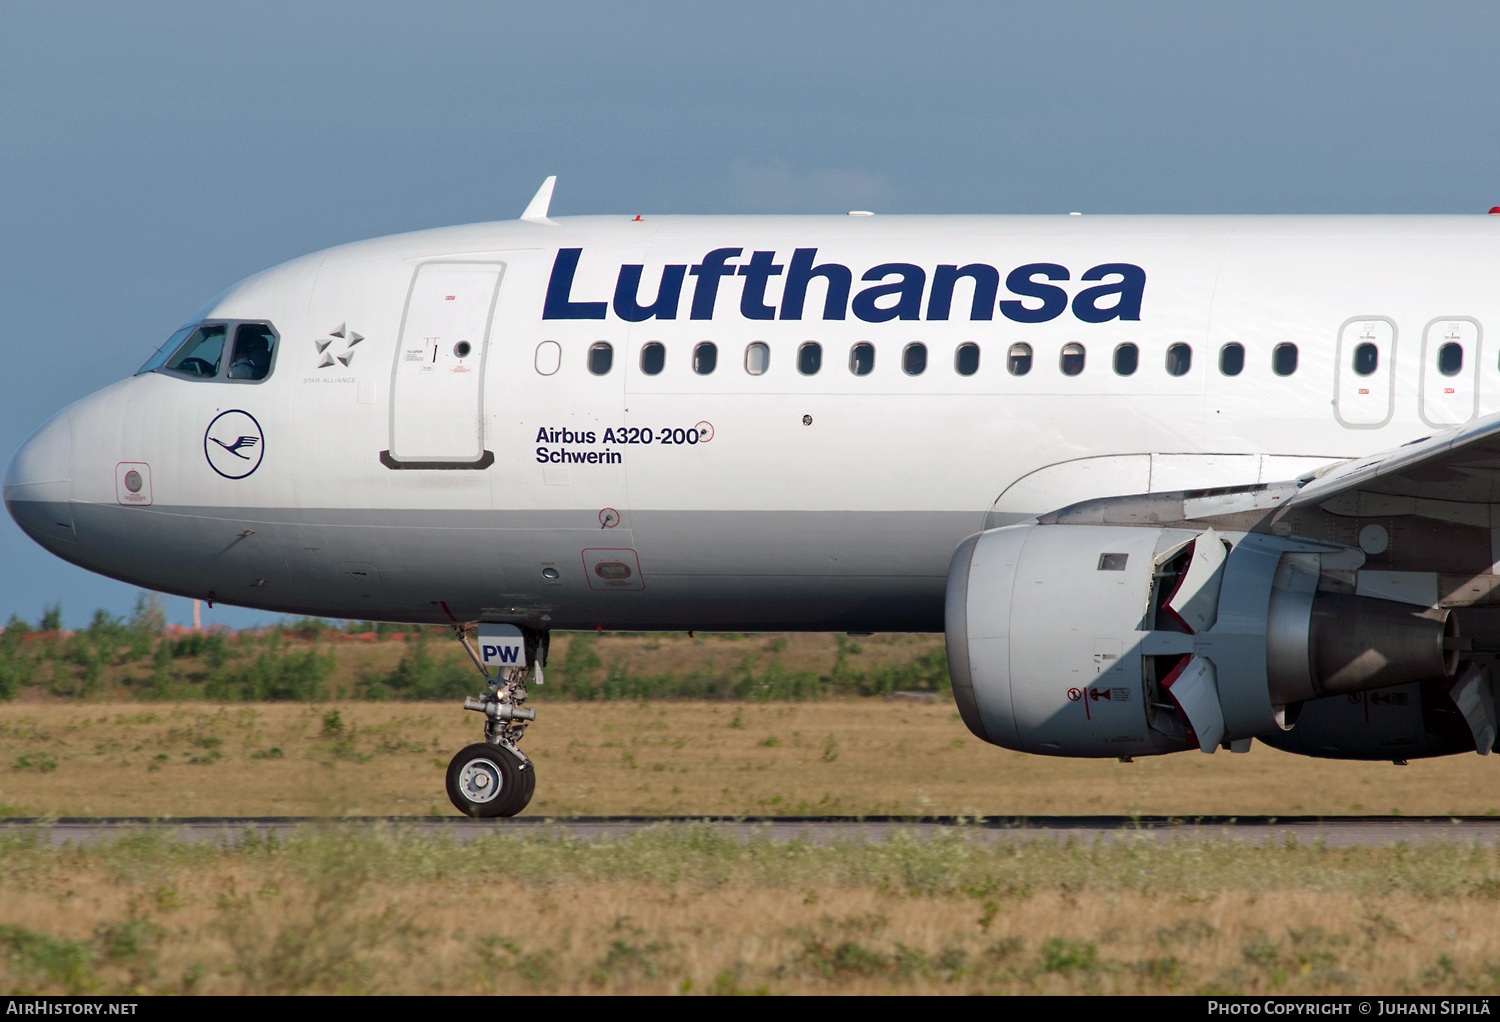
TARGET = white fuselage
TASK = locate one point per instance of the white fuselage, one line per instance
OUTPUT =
(397, 479)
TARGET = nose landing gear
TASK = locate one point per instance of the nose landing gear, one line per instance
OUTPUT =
(494, 777)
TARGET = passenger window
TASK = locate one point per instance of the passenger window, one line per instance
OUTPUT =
(1072, 359)
(705, 358)
(1451, 359)
(1284, 359)
(601, 358)
(1018, 361)
(201, 352)
(653, 358)
(251, 356)
(1179, 359)
(1232, 359)
(1366, 359)
(862, 359)
(966, 359)
(548, 357)
(757, 359)
(809, 358)
(914, 359)
(1127, 359)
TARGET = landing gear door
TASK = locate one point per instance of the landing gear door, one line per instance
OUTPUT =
(437, 402)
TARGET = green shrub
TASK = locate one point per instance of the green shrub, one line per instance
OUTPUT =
(421, 675)
(32, 957)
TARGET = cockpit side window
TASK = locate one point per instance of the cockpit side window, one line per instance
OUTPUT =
(201, 353)
(251, 357)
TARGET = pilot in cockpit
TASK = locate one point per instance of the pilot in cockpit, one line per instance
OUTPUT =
(252, 356)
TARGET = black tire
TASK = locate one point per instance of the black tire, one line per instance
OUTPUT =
(528, 786)
(481, 769)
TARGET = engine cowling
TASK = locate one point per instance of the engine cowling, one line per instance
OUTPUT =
(1399, 723)
(1098, 640)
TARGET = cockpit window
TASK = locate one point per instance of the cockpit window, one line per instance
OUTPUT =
(251, 359)
(217, 351)
(166, 351)
(201, 353)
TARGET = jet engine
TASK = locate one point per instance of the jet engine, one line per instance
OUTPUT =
(1098, 640)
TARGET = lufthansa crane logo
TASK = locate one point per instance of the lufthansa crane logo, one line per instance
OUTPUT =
(234, 444)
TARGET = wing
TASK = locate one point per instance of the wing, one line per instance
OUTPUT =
(1438, 487)
(1421, 522)
(1457, 466)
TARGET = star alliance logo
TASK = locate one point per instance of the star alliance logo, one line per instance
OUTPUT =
(327, 357)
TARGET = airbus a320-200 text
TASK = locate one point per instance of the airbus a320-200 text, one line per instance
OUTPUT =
(666, 436)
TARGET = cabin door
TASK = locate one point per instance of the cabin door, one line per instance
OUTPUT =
(437, 384)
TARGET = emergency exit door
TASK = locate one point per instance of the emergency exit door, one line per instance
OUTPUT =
(437, 385)
(1450, 372)
(1366, 373)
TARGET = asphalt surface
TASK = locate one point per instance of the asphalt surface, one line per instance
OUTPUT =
(1333, 831)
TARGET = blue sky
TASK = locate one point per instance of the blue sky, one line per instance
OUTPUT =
(152, 154)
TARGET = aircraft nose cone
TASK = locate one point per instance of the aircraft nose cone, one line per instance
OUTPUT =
(39, 485)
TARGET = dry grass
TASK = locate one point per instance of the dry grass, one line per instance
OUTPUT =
(833, 757)
(684, 910)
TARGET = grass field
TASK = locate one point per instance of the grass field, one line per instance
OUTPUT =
(833, 756)
(683, 910)
(162, 727)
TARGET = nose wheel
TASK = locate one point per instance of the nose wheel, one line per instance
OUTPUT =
(487, 780)
(495, 778)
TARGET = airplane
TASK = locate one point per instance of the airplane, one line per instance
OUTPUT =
(1166, 483)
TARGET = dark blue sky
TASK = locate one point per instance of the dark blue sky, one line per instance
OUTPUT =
(153, 154)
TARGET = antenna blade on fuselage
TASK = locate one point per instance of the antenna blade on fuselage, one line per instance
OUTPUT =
(536, 209)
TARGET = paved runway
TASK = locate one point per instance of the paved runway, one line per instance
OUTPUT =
(1334, 831)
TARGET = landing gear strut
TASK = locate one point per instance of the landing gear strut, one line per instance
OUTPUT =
(494, 777)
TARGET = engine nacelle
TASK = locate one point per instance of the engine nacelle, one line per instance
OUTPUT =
(1399, 723)
(1099, 640)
